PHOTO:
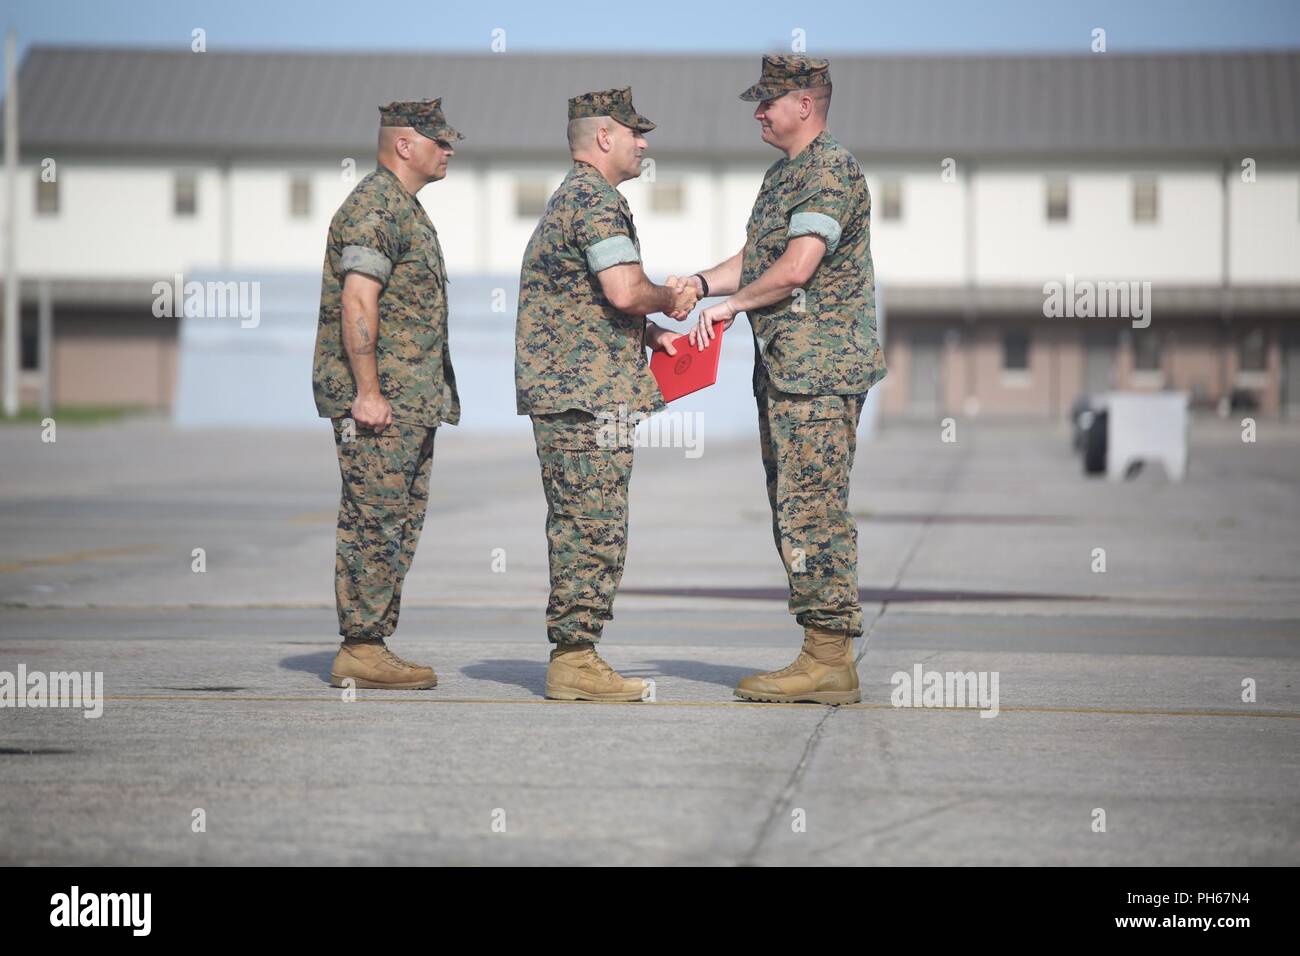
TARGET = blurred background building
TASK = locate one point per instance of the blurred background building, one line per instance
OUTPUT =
(991, 175)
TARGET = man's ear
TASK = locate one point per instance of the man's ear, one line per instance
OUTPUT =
(604, 139)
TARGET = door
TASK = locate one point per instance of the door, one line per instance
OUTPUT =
(1099, 347)
(923, 373)
(1291, 374)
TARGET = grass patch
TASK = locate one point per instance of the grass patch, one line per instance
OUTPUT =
(75, 414)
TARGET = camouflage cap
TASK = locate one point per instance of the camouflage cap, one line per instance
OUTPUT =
(784, 72)
(424, 116)
(616, 103)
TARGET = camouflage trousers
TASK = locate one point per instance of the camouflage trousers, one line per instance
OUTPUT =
(381, 514)
(808, 442)
(585, 478)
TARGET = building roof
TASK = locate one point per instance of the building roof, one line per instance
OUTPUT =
(472, 292)
(150, 101)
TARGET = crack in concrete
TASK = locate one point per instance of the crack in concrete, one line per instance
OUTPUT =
(787, 791)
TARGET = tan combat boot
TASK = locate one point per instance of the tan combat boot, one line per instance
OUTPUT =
(823, 673)
(376, 667)
(577, 672)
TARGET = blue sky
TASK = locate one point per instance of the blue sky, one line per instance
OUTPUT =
(666, 25)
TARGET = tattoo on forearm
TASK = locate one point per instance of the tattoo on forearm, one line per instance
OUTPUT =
(364, 346)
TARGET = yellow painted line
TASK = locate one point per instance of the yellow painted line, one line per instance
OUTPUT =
(1111, 710)
(73, 557)
(1102, 711)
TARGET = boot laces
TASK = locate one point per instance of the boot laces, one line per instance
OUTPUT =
(393, 659)
(800, 663)
(600, 664)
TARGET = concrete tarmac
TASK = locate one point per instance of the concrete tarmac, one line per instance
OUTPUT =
(1120, 692)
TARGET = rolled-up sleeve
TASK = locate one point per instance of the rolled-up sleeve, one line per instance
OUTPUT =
(611, 252)
(603, 233)
(815, 224)
(824, 208)
(371, 242)
(366, 261)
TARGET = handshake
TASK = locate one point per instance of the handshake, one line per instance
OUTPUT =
(686, 292)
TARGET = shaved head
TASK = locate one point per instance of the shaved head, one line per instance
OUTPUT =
(389, 135)
(821, 97)
(582, 131)
(414, 157)
(617, 154)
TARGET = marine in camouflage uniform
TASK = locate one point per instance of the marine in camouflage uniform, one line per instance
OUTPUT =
(383, 232)
(816, 354)
(580, 365)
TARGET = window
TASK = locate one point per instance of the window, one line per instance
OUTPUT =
(47, 197)
(1058, 200)
(667, 197)
(1252, 352)
(1015, 350)
(1146, 351)
(299, 197)
(891, 199)
(530, 198)
(1144, 200)
(185, 194)
(29, 343)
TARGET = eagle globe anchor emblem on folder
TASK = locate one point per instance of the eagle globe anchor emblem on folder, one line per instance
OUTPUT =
(690, 370)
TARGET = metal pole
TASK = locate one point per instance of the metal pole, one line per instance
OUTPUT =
(44, 346)
(1225, 291)
(970, 312)
(10, 371)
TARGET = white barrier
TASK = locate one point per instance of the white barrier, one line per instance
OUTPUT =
(1146, 426)
(256, 371)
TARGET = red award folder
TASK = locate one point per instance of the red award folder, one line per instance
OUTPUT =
(690, 369)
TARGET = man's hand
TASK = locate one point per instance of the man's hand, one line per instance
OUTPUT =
(660, 339)
(371, 410)
(703, 333)
(629, 290)
(685, 294)
(676, 282)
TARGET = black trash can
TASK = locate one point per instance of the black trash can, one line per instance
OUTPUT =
(1094, 442)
